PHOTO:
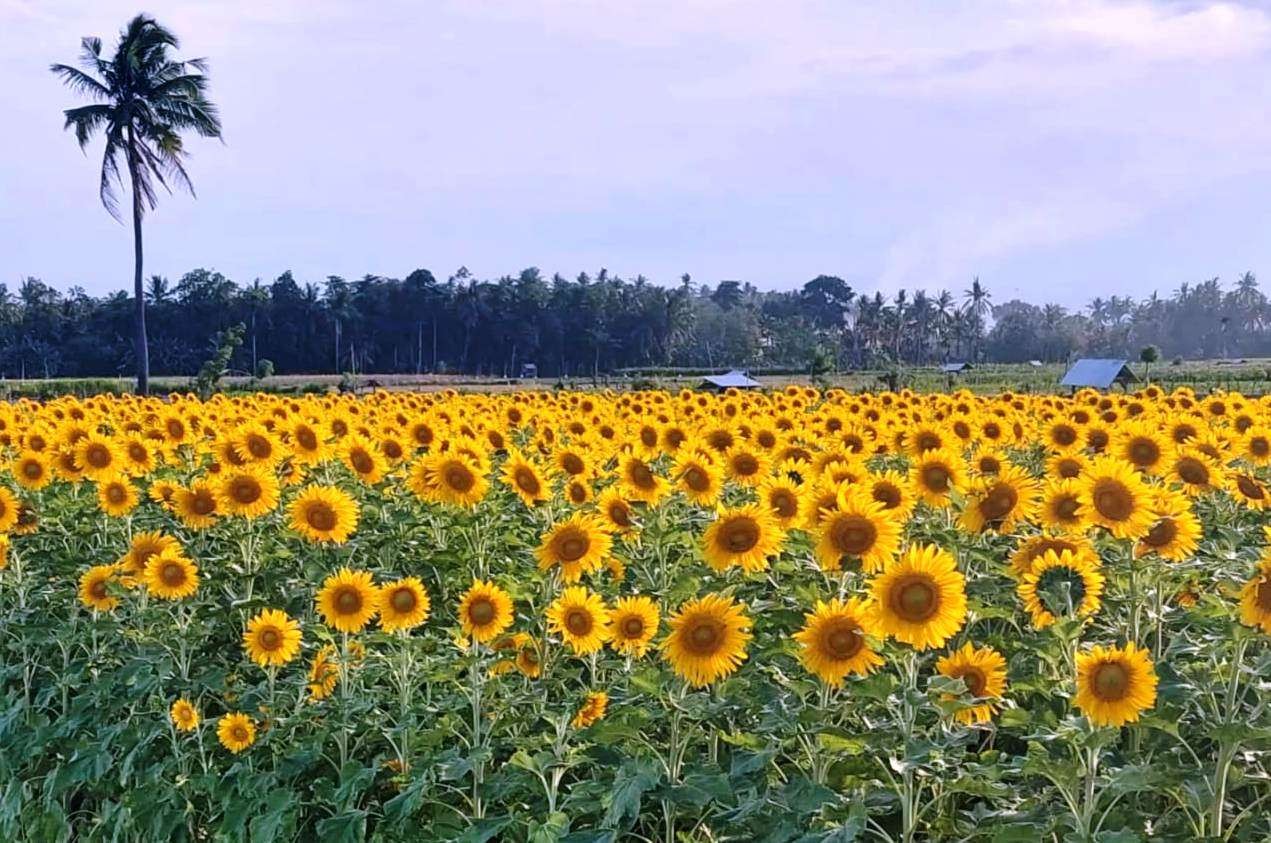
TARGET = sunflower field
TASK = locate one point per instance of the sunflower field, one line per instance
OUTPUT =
(590, 617)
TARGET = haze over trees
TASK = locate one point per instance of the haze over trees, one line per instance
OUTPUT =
(597, 323)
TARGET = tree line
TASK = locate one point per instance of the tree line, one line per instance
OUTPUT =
(596, 323)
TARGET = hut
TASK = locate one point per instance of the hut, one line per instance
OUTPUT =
(955, 368)
(733, 379)
(1099, 373)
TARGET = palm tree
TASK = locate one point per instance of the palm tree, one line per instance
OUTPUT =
(143, 100)
(976, 305)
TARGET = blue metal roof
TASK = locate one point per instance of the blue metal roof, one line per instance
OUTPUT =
(1098, 372)
(735, 378)
(955, 367)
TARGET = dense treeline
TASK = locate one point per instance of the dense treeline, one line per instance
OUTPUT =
(598, 324)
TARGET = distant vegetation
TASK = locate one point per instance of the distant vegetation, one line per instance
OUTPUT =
(598, 324)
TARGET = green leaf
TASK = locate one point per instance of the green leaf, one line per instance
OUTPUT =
(348, 827)
(482, 830)
(267, 825)
(633, 780)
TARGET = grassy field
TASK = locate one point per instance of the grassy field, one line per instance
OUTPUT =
(1250, 376)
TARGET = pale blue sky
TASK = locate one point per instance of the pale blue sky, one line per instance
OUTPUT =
(1060, 150)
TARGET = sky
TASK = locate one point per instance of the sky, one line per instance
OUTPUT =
(1057, 149)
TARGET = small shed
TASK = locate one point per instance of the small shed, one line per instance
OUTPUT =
(1099, 373)
(733, 379)
(529, 370)
(955, 368)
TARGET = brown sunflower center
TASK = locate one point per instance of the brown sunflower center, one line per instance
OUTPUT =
(527, 481)
(572, 545)
(306, 439)
(632, 627)
(704, 637)
(403, 600)
(203, 503)
(844, 642)
(481, 611)
(1192, 471)
(697, 480)
(1066, 507)
(927, 441)
(853, 534)
(783, 503)
(1110, 681)
(98, 590)
(1097, 439)
(887, 494)
(1259, 446)
(1162, 533)
(620, 514)
(974, 679)
(172, 574)
(999, 502)
(648, 436)
(1262, 595)
(572, 463)
(579, 621)
(239, 734)
(258, 446)
(914, 598)
(1064, 435)
(116, 494)
(361, 461)
(348, 601)
(320, 516)
(936, 478)
(1068, 468)
(640, 476)
(270, 639)
(1143, 452)
(739, 534)
(246, 490)
(745, 465)
(392, 449)
(97, 456)
(458, 477)
(32, 469)
(1113, 500)
(1249, 487)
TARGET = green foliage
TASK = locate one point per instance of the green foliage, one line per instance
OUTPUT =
(224, 344)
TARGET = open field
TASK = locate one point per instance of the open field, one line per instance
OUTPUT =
(572, 617)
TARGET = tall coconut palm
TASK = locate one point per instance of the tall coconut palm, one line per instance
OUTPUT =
(142, 101)
(976, 304)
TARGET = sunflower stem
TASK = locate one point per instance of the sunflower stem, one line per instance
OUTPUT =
(1227, 747)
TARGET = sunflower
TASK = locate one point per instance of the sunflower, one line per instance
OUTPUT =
(581, 619)
(529, 661)
(820, 500)
(999, 502)
(185, 717)
(934, 474)
(639, 482)
(617, 512)
(1061, 584)
(859, 528)
(404, 604)
(164, 493)
(578, 492)
(1062, 508)
(449, 478)
(138, 458)
(744, 536)
(524, 478)
(250, 492)
(1255, 597)
(94, 588)
(592, 709)
(97, 456)
(698, 477)
(1255, 445)
(1119, 499)
(746, 465)
(324, 672)
(894, 491)
(1115, 684)
(363, 457)
(116, 496)
(308, 441)
(236, 732)
(1195, 471)
(9, 509)
(983, 671)
(272, 639)
(632, 624)
(324, 514)
(144, 546)
(1249, 490)
(196, 506)
(169, 575)
(707, 639)
(1034, 547)
(254, 443)
(31, 470)
(1176, 532)
(920, 598)
(782, 498)
(578, 545)
(485, 611)
(348, 600)
(834, 643)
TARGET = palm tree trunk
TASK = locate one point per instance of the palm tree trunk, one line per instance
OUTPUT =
(141, 346)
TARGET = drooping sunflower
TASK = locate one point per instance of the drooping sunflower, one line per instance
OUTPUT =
(116, 496)
(1062, 509)
(834, 640)
(579, 545)
(983, 671)
(1119, 499)
(348, 600)
(698, 476)
(1061, 584)
(1001, 501)
(524, 478)
(170, 575)
(236, 732)
(324, 672)
(580, 618)
(859, 528)
(404, 604)
(592, 710)
(271, 639)
(94, 588)
(249, 492)
(1255, 597)
(185, 717)
(485, 611)
(632, 624)
(707, 639)
(934, 474)
(1115, 685)
(1176, 532)
(196, 506)
(745, 536)
(324, 514)
(920, 598)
